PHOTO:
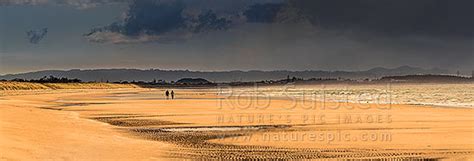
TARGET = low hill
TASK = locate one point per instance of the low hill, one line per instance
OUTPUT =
(115, 75)
(193, 81)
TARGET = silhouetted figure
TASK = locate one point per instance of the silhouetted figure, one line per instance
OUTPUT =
(172, 94)
(167, 93)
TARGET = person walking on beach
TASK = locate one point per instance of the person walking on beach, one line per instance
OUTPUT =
(167, 93)
(172, 94)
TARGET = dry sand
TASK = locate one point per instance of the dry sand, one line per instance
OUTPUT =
(140, 124)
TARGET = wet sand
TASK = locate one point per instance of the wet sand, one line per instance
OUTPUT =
(141, 124)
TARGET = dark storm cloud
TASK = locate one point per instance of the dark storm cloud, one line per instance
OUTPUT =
(264, 13)
(151, 17)
(392, 17)
(165, 19)
(153, 20)
(208, 21)
(35, 36)
(80, 4)
(387, 17)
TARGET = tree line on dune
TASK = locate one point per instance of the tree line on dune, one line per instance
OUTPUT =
(50, 79)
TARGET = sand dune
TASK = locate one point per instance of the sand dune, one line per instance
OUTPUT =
(9, 86)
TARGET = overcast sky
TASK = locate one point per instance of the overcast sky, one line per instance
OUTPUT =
(221, 35)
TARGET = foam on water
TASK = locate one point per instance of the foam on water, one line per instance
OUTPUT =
(447, 95)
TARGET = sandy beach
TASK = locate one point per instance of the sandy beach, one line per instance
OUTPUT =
(139, 80)
(141, 124)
